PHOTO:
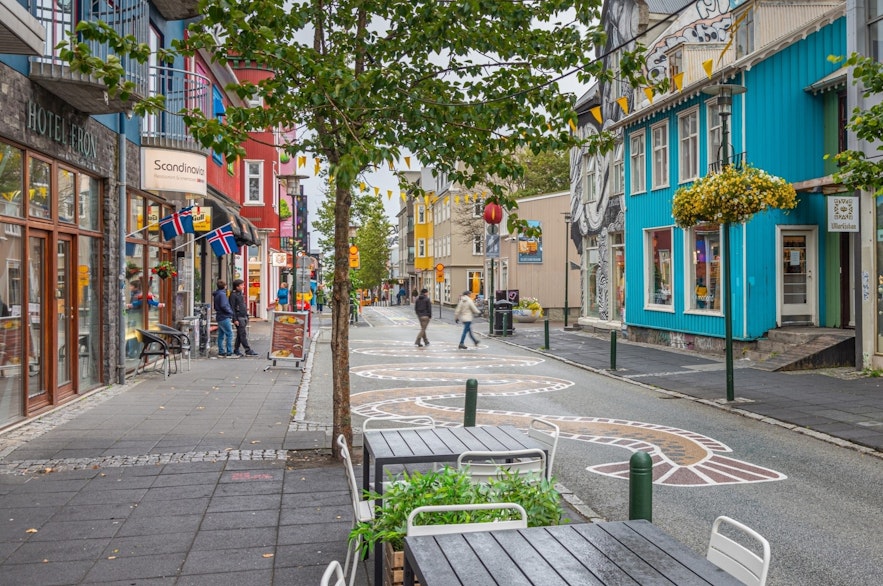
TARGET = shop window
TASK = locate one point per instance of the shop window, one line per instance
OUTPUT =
(659, 265)
(11, 181)
(66, 182)
(88, 201)
(703, 285)
(593, 265)
(11, 330)
(39, 189)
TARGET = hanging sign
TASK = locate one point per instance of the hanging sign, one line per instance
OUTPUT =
(843, 213)
(167, 170)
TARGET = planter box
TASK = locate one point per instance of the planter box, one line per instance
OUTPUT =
(394, 567)
(524, 316)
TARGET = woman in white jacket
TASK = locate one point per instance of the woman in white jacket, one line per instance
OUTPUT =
(466, 310)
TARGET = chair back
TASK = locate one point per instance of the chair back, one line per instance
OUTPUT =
(394, 422)
(736, 559)
(333, 572)
(482, 466)
(362, 510)
(494, 525)
(546, 433)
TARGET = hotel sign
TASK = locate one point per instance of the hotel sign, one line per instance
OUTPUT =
(168, 170)
(843, 213)
(59, 129)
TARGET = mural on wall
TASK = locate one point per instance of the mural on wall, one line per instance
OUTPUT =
(705, 21)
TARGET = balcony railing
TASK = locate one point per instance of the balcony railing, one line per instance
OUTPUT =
(84, 92)
(737, 160)
(182, 90)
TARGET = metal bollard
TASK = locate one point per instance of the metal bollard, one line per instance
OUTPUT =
(546, 333)
(471, 403)
(641, 486)
(612, 349)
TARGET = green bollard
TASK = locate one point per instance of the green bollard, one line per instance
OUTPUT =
(471, 403)
(612, 349)
(546, 328)
(641, 486)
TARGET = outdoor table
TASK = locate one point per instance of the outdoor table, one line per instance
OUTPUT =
(388, 447)
(623, 552)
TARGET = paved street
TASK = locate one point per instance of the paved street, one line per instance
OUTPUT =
(209, 477)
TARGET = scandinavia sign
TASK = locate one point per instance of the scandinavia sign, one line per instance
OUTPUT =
(168, 170)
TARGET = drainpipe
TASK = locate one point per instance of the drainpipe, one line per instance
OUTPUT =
(121, 225)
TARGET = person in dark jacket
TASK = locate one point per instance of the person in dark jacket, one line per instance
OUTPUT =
(423, 309)
(224, 317)
(240, 320)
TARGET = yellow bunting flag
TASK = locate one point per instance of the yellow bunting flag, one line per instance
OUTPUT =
(361, 186)
(596, 112)
(408, 162)
(648, 91)
(456, 199)
(403, 196)
(572, 125)
(708, 66)
(389, 194)
(679, 80)
(301, 161)
(426, 200)
(447, 199)
(391, 166)
(376, 191)
(434, 199)
(624, 104)
(316, 166)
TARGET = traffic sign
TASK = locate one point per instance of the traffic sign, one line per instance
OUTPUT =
(354, 257)
(439, 273)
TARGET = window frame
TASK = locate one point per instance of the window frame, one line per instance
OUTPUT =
(691, 261)
(421, 214)
(688, 146)
(665, 273)
(713, 131)
(249, 177)
(477, 244)
(618, 170)
(660, 172)
(638, 167)
(588, 177)
(421, 248)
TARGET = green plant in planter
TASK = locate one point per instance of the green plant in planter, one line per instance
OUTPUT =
(531, 304)
(450, 486)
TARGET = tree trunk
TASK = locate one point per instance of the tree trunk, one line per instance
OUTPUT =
(340, 312)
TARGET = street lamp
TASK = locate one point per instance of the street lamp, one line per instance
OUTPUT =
(567, 219)
(292, 189)
(724, 93)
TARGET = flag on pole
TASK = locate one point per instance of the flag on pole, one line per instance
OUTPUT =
(222, 241)
(177, 223)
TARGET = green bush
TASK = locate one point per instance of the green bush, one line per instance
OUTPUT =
(450, 486)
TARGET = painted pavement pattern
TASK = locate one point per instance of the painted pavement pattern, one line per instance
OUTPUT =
(680, 457)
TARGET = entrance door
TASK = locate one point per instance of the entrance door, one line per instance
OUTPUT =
(64, 318)
(797, 277)
(37, 322)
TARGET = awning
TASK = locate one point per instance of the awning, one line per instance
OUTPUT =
(248, 233)
(834, 80)
(243, 230)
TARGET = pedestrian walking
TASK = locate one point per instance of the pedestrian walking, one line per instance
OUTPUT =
(224, 317)
(320, 298)
(465, 312)
(401, 294)
(423, 309)
(240, 320)
(282, 297)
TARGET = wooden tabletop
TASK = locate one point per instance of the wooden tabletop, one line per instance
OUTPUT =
(624, 552)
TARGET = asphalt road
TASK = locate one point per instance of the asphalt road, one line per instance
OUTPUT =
(819, 505)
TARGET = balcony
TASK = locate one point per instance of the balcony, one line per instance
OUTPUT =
(737, 160)
(83, 92)
(177, 9)
(183, 90)
(20, 33)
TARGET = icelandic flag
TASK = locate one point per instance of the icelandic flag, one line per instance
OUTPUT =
(222, 241)
(177, 224)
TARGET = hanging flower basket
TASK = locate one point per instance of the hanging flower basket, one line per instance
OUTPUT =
(732, 195)
(164, 270)
(132, 270)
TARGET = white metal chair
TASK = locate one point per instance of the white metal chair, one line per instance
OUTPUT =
(443, 529)
(482, 466)
(736, 559)
(395, 422)
(335, 572)
(547, 434)
(363, 510)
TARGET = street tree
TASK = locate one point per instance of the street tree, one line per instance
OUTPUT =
(365, 81)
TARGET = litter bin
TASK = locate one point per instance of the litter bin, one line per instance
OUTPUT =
(502, 315)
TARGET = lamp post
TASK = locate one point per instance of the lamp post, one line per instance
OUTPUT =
(724, 100)
(292, 189)
(567, 220)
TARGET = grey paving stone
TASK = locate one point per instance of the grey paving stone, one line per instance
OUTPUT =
(306, 554)
(186, 479)
(195, 506)
(253, 502)
(90, 512)
(228, 560)
(158, 525)
(315, 499)
(96, 497)
(147, 545)
(247, 488)
(241, 520)
(67, 530)
(263, 576)
(58, 551)
(170, 493)
(49, 574)
(314, 532)
(135, 567)
(307, 515)
(236, 538)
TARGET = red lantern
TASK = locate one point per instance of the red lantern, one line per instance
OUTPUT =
(493, 213)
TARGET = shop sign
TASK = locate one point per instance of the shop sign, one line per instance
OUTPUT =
(843, 213)
(202, 218)
(58, 129)
(168, 170)
(279, 259)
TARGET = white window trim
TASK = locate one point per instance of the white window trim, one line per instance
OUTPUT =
(421, 214)
(249, 176)
(655, 180)
(710, 131)
(682, 178)
(690, 275)
(638, 170)
(421, 248)
(648, 272)
(477, 245)
(589, 170)
(618, 170)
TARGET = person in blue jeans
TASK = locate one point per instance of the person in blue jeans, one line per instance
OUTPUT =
(465, 312)
(224, 317)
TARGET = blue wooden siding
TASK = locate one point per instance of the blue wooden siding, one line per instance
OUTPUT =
(785, 136)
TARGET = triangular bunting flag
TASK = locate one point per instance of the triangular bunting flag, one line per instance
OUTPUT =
(391, 166)
(389, 194)
(361, 186)
(376, 191)
(572, 125)
(408, 162)
(447, 199)
(679, 80)
(403, 196)
(301, 161)
(624, 104)
(708, 66)
(596, 113)
(316, 166)
(648, 91)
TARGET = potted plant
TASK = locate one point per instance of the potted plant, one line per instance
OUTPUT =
(527, 310)
(450, 486)
(164, 269)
